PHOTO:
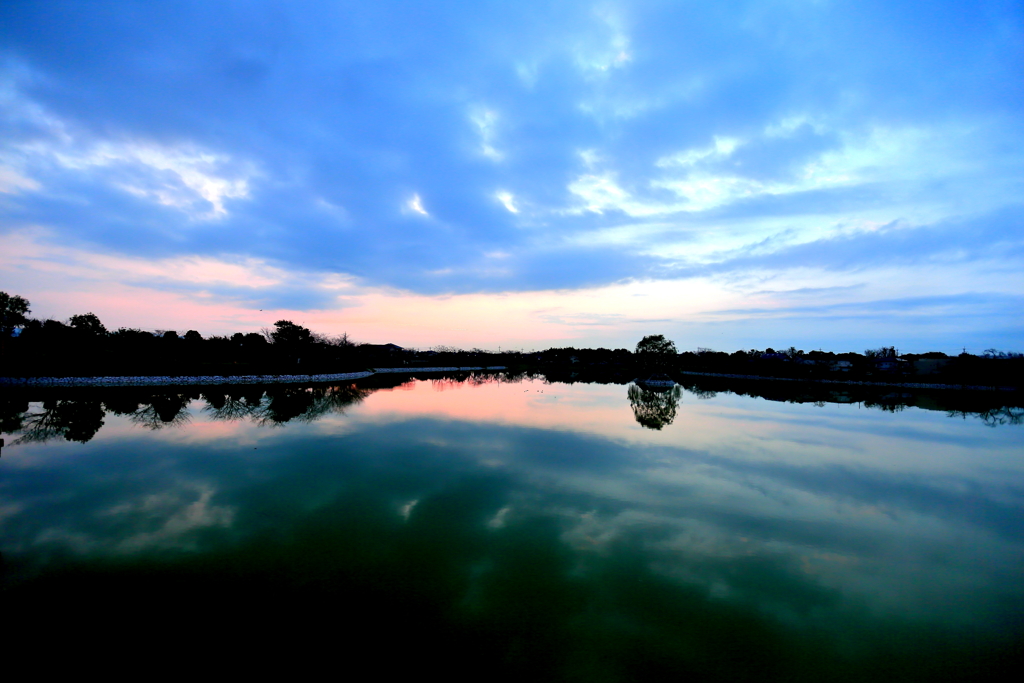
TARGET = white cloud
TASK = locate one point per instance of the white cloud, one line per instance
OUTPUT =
(601, 192)
(415, 204)
(722, 148)
(589, 157)
(507, 199)
(696, 176)
(882, 154)
(172, 176)
(610, 51)
(186, 176)
(528, 73)
(787, 126)
(705, 187)
(39, 251)
(12, 182)
(485, 121)
(701, 192)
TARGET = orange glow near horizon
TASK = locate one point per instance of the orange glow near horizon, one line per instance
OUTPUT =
(230, 293)
(208, 294)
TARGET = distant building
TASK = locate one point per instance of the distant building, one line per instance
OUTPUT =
(889, 364)
(929, 366)
(389, 348)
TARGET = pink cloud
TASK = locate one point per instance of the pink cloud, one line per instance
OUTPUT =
(185, 293)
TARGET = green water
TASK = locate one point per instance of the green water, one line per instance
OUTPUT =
(513, 530)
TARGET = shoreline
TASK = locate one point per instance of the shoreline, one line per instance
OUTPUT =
(214, 380)
(854, 382)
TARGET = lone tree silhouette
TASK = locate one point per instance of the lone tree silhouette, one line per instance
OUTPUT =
(288, 334)
(654, 351)
(88, 323)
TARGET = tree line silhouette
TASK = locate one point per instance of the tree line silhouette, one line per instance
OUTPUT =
(83, 346)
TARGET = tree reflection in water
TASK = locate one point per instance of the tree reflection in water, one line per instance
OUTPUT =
(1007, 415)
(163, 411)
(283, 403)
(654, 408)
(238, 403)
(80, 417)
(74, 420)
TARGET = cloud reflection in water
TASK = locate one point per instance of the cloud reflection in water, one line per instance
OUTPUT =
(744, 539)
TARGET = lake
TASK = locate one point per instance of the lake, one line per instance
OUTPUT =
(510, 528)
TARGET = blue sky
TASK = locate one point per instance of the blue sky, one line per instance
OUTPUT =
(735, 174)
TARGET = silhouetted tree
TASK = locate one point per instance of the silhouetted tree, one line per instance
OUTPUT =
(89, 324)
(291, 339)
(13, 309)
(654, 351)
(289, 334)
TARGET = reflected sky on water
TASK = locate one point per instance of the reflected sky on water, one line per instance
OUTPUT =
(548, 525)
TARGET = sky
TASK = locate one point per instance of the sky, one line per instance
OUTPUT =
(816, 173)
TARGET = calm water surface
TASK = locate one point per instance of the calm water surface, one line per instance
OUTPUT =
(517, 530)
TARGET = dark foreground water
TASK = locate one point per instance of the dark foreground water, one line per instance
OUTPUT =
(499, 531)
